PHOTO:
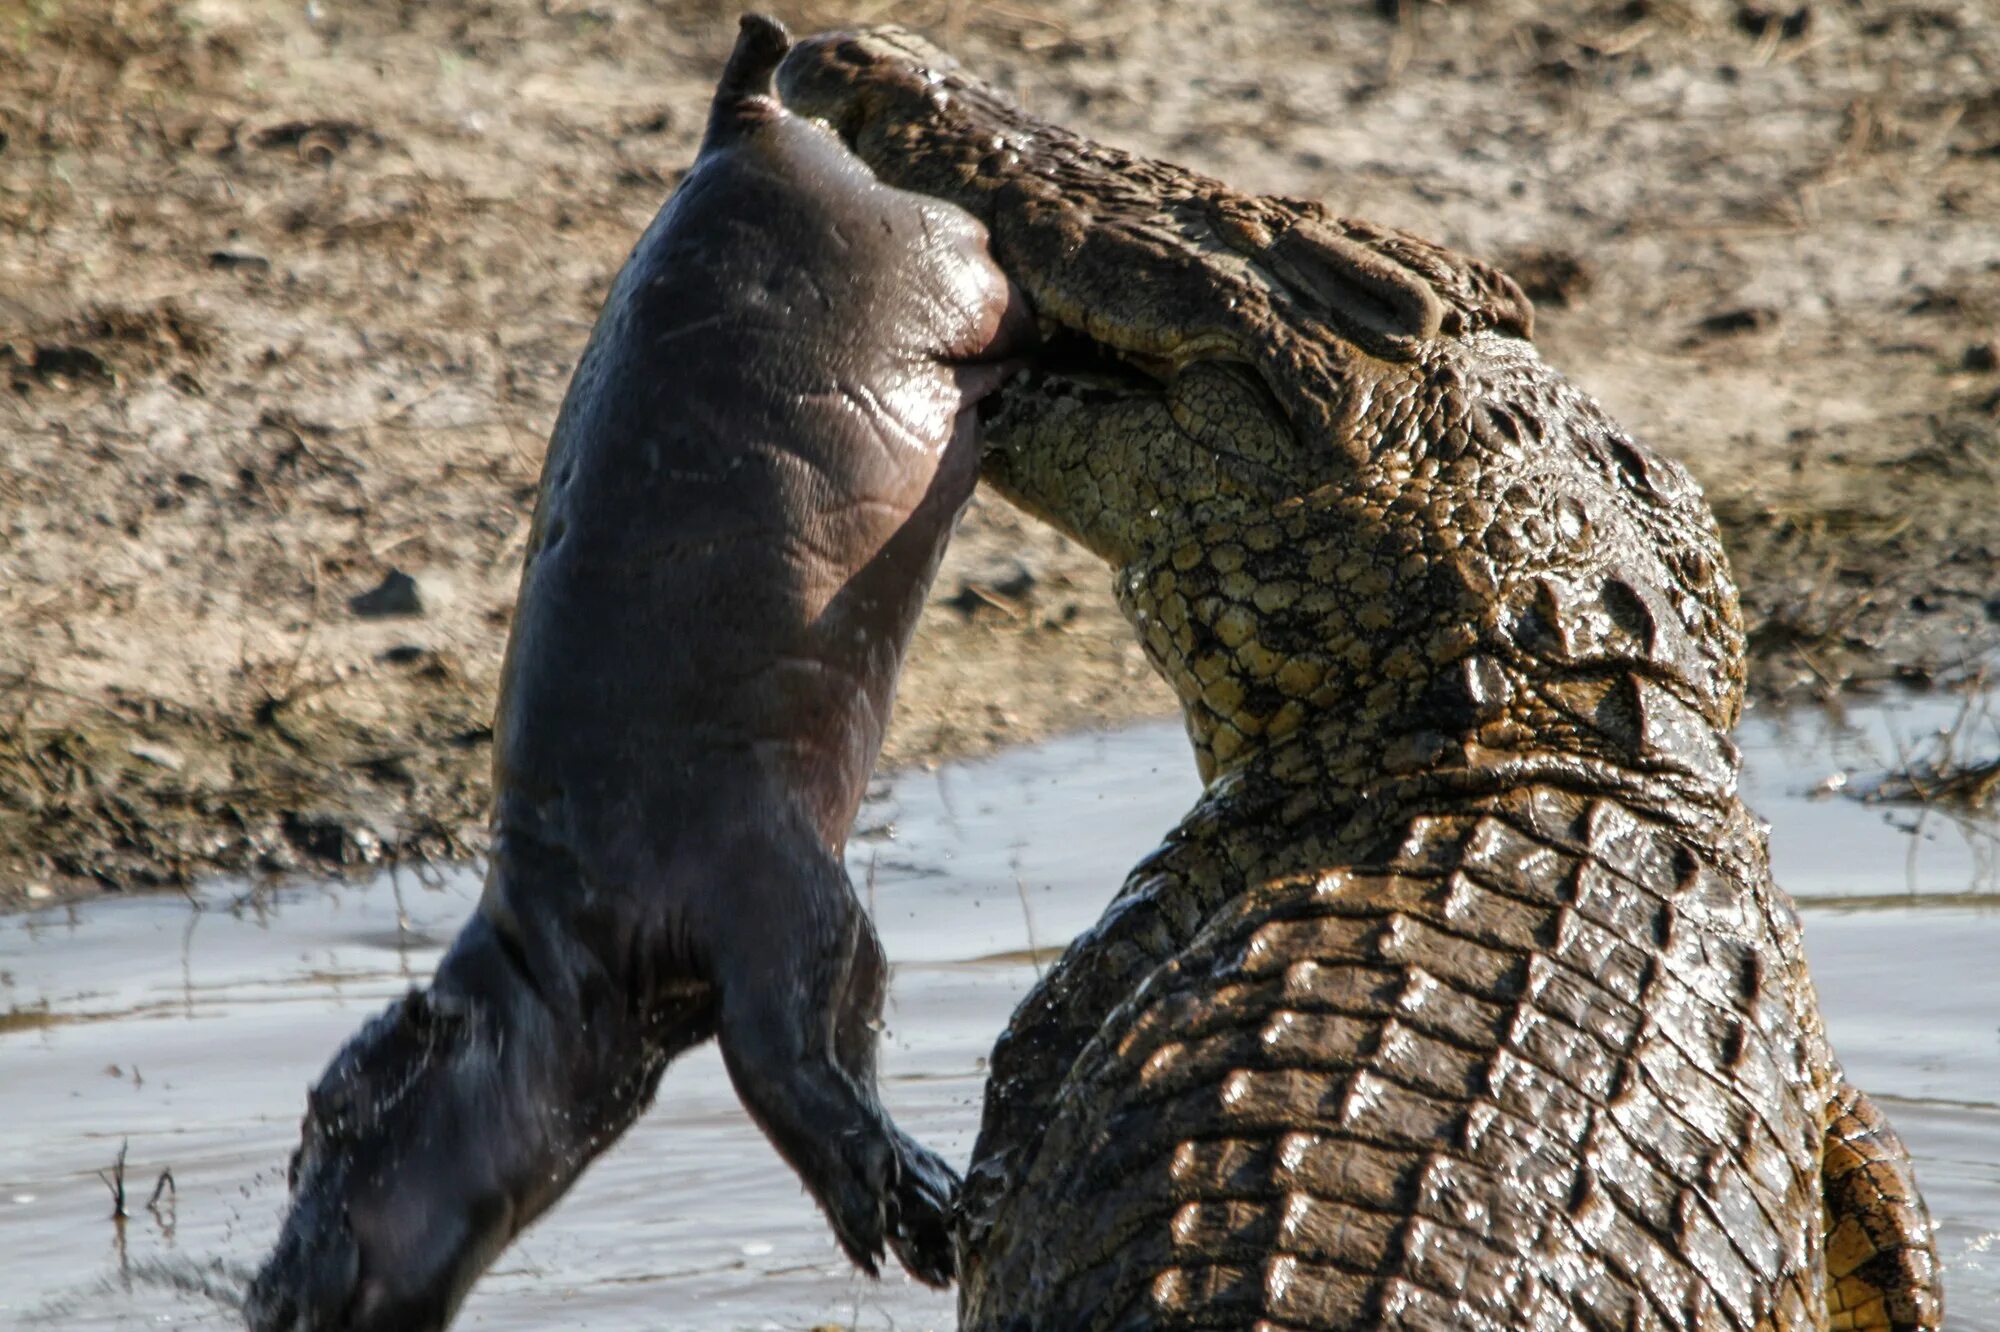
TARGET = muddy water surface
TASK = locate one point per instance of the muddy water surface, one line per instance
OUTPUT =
(188, 1032)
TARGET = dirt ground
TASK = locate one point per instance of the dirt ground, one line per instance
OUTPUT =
(289, 294)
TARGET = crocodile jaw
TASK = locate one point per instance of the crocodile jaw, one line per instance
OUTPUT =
(1344, 499)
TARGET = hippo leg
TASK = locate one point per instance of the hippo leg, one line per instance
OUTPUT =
(797, 1017)
(459, 1115)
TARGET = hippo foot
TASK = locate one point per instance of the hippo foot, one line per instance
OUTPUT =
(920, 1213)
(881, 1191)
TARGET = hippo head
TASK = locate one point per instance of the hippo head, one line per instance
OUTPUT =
(408, 1176)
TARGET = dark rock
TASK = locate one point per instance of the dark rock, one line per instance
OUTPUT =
(1549, 276)
(251, 263)
(396, 594)
(1758, 19)
(1009, 595)
(1747, 319)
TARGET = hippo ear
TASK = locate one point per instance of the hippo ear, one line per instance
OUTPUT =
(414, 1016)
(747, 95)
(430, 1018)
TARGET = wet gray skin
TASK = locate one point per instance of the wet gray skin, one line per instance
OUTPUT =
(762, 453)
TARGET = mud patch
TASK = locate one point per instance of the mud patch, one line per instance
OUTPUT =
(291, 295)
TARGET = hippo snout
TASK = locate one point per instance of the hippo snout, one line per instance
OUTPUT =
(392, 1215)
(307, 1284)
(334, 1283)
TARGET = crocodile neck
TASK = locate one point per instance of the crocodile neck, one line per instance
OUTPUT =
(1327, 796)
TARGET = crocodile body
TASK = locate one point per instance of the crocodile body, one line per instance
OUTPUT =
(1464, 997)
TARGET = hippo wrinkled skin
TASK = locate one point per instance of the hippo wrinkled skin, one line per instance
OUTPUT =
(762, 452)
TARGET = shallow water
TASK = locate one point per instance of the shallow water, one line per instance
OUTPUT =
(191, 1034)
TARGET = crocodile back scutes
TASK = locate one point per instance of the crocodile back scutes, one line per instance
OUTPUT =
(1546, 1036)
(1464, 998)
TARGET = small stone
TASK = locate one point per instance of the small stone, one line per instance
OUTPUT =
(1018, 584)
(1758, 20)
(1747, 319)
(160, 756)
(239, 260)
(1550, 276)
(396, 594)
(1010, 594)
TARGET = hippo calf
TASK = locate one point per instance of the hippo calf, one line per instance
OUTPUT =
(762, 453)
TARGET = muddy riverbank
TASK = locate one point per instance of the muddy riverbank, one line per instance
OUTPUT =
(289, 294)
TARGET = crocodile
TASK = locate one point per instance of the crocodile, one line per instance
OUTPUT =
(1463, 997)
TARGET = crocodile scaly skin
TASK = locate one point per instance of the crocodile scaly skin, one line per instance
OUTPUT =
(1463, 999)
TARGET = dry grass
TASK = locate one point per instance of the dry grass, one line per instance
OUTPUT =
(1956, 771)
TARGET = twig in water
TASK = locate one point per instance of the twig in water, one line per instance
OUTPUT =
(115, 1181)
(1943, 776)
(1027, 915)
(165, 1220)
